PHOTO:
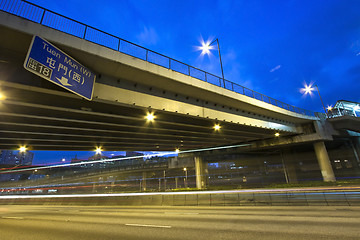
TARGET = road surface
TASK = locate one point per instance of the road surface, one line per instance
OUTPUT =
(160, 223)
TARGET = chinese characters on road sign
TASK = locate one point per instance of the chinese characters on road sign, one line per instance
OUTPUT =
(47, 61)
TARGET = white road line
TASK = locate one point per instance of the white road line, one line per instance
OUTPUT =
(12, 217)
(180, 213)
(144, 225)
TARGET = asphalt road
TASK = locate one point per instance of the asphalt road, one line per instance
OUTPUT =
(160, 223)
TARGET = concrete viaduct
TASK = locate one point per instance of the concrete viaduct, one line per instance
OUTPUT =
(39, 114)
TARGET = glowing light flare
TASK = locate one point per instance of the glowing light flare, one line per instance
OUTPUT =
(185, 169)
(205, 48)
(150, 117)
(177, 150)
(277, 134)
(329, 108)
(98, 150)
(22, 149)
(217, 127)
(308, 89)
(2, 96)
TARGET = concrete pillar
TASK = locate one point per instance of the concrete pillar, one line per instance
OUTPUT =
(200, 172)
(324, 162)
(143, 182)
(289, 166)
(355, 144)
(94, 188)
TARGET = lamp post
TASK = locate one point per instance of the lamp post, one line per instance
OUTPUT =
(321, 98)
(309, 89)
(186, 178)
(206, 49)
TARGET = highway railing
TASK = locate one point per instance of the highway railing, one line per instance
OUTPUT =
(339, 112)
(59, 22)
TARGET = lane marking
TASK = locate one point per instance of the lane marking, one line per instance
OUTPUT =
(145, 225)
(12, 217)
(180, 213)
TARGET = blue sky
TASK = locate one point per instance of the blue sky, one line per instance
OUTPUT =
(270, 46)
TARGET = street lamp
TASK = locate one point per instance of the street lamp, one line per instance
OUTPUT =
(98, 151)
(206, 47)
(217, 127)
(308, 90)
(150, 117)
(186, 178)
(22, 149)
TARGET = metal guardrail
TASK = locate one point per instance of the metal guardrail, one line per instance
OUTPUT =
(56, 21)
(339, 112)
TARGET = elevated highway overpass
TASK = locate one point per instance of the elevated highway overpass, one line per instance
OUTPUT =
(131, 82)
(43, 116)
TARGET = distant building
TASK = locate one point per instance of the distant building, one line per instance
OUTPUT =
(26, 158)
(10, 157)
(96, 157)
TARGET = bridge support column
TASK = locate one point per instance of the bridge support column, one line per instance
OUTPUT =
(324, 162)
(200, 172)
(355, 144)
(289, 166)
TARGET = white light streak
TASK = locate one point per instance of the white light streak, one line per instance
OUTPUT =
(176, 193)
(119, 159)
(145, 225)
(275, 68)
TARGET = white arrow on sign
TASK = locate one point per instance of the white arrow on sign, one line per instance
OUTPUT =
(64, 81)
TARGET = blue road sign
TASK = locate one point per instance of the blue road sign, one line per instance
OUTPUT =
(49, 62)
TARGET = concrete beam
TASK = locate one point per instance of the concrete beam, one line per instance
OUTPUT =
(125, 96)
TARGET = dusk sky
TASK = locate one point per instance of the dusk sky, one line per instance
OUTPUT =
(273, 47)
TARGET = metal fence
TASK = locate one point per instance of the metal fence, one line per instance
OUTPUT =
(339, 112)
(56, 21)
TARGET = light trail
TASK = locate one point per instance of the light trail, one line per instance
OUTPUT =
(277, 190)
(119, 159)
(146, 225)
